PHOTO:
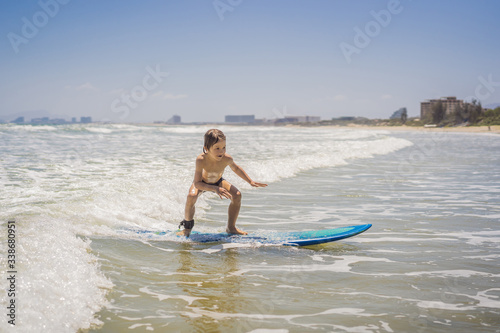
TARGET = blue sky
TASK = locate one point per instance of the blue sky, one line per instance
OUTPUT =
(141, 61)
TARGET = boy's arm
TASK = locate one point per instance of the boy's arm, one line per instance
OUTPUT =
(243, 175)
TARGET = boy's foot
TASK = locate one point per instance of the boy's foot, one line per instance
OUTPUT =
(185, 232)
(236, 231)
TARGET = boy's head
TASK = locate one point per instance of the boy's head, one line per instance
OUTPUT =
(211, 138)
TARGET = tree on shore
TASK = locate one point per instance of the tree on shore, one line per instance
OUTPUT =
(491, 117)
(404, 116)
(469, 112)
(461, 114)
(438, 112)
(475, 112)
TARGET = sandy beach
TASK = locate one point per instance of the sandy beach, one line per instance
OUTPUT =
(466, 129)
(469, 129)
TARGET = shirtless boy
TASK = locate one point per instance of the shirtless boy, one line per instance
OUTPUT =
(208, 177)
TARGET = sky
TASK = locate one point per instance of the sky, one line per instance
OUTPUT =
(144, 61)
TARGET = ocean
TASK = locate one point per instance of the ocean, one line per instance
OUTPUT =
(430, 262)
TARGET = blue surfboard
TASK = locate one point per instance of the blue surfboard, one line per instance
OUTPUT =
(293, 238)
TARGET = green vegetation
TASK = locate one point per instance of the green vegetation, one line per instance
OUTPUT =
(347, 121)
(414, 122)
(404, 116)
(438, 113)
(470, 114)
(490, 117)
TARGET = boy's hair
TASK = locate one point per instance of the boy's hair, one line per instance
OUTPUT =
(212, 137)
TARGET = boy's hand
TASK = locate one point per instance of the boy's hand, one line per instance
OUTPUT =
(255, 184)
(223, 193)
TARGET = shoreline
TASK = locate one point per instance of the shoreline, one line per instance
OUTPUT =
(494, 129)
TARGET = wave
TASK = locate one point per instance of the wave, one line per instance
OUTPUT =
(59, 279)
(71, 182)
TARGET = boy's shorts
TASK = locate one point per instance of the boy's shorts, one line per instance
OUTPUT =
(217, 183)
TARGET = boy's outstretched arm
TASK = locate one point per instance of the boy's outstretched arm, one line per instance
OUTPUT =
(243, 175)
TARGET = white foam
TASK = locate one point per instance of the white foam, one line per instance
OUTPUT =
(398, 239)
(99, 130)
(131, 179)
(268, 330)
(30, 128)
(342, 265)
(317, 154)
(483, 298)
(225, 246)
(285, 286)
(488, 257)
(444, 306)
(338, 311)
(147, 326)
(161, 297)
(59, 280)
(465, 273)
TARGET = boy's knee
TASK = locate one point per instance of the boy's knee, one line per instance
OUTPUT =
(192, 197)
(237, 196)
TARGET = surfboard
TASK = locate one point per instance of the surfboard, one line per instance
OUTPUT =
(292, 238)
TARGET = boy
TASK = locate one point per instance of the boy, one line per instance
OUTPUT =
(208, 177)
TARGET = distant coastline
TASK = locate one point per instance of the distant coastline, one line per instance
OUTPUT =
(494, 129)
(383, 125)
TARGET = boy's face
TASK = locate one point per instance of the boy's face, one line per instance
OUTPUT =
(218, 150)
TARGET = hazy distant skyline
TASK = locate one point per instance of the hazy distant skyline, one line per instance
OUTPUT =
(134, 61)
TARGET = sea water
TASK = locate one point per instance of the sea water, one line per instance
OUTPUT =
(430, 263)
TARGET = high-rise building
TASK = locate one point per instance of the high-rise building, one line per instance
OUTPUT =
(19, 120)
(240, 119)
(397, 114)
(450, 105)
(174, 120)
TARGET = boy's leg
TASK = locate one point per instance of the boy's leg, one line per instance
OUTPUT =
(234, 209)
(189, 210)
(192, 196)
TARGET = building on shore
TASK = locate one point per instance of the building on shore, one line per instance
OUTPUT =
(47, 121)
(308, 119)
(247, 119)
(399, 113)
(298, 119)
(174, 120)
(450, 104)
(18, 120)
(50, 121)
(250, 119)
